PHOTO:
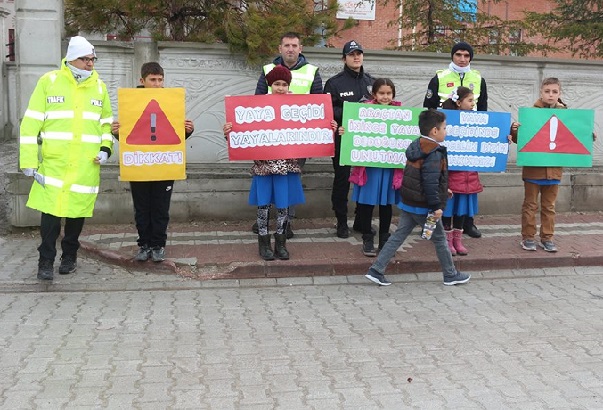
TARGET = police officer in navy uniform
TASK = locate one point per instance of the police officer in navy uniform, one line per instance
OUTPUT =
(459, 73)
(352, 84)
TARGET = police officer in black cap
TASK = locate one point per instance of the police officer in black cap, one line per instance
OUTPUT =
(352, 84)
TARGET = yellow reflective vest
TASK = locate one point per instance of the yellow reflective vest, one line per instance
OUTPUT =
(73, 122)
(448, 80)
(301, 79)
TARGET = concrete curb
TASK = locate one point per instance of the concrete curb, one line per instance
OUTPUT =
(304, 268)
(117, 258)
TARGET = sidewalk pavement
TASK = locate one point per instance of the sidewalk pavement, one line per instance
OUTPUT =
(229, 250)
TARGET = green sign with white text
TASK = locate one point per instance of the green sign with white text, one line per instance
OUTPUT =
(377, 135)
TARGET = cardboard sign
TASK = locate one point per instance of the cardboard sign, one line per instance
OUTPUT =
(377, 135)
(555, 137)
(477, 140)
(279, 126)
(151, 134)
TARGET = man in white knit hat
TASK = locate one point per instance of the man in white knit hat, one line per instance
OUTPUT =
(65, 136)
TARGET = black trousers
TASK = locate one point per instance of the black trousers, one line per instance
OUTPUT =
(364, 215)
(341, 185)
(50, 229)
(152, 211)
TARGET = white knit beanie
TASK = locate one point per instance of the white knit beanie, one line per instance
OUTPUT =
(78, 47)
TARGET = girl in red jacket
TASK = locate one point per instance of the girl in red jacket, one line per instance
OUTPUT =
(465, 185)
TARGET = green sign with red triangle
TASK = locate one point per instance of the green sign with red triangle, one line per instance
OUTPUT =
(555, 137)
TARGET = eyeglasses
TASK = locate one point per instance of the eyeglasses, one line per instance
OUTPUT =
(88, 59)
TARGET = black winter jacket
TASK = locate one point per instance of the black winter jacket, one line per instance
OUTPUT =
(425, 182)
(262, 87)
(348, 85)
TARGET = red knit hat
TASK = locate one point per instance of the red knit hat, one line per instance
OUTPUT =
(279, 72)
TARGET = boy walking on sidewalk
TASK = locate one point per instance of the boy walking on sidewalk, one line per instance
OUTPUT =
(424, 190)
(152, 198)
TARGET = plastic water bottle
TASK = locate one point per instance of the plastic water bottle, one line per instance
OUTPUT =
(430, 225)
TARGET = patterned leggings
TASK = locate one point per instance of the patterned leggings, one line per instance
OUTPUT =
(281, 219)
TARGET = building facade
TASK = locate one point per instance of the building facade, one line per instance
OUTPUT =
(382, 32)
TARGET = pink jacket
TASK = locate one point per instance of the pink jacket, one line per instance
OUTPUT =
(358, 174)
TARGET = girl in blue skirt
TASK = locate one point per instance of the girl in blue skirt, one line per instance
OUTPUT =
(275, 182)
(465, 185)
(376, 186)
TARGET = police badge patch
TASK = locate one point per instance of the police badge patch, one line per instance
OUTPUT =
(429, 93)
(471, 86)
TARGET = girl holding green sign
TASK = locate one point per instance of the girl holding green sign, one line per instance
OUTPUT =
(376, 186)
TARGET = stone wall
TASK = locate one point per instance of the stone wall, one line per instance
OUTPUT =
(217, 189)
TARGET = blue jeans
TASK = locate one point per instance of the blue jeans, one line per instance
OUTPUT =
(407, 223)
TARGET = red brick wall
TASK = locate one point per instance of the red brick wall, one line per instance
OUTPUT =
(379, 34)
(371, 34)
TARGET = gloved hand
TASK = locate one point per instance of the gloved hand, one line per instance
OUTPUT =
(102, 157)
(39, 178)
(29, 172)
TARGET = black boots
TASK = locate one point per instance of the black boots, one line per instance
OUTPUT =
(68, 264)
(265, 248)
(368, 246)
(470, 229)
(45, 269)
(342, 226)
(280, 251)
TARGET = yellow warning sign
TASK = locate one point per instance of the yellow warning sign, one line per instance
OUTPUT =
(151, 134)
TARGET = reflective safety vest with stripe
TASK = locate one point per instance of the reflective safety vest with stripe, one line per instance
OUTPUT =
(72, 122)
(301, 79)
(448, 80)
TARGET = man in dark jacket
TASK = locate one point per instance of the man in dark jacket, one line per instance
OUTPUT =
(305, 79)
(459, 73)
(353, 85)
(424, 194)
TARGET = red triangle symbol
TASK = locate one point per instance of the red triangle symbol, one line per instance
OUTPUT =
(555, 138)
(153, 128)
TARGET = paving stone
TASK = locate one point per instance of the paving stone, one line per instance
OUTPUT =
(513, 338)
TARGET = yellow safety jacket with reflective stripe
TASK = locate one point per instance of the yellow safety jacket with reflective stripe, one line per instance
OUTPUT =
(448, 80)
(301, 79)
(73, 122)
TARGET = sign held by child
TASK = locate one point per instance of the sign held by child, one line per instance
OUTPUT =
(151, 148)
(555, 137)
(298, 126)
